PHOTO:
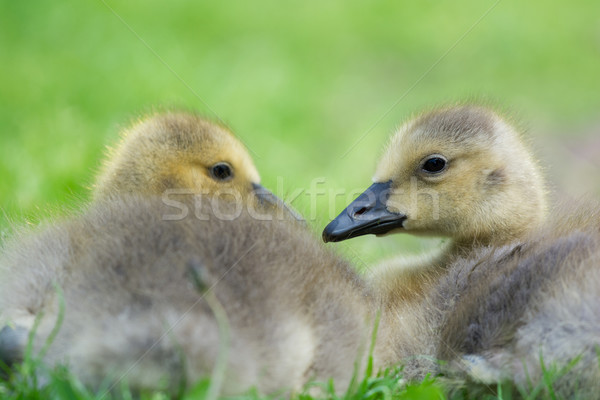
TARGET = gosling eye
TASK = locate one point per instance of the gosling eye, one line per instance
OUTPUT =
(434, 164)
(221, 171)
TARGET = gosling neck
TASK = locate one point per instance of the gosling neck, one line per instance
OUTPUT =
(412, 281)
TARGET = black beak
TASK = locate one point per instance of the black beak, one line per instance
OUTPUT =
(268, 199)
(367, 214)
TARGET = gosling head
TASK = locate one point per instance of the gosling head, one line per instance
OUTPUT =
(182, 152)
(461, 172)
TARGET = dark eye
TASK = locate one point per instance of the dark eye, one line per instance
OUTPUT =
(221, 171)
(434, 164)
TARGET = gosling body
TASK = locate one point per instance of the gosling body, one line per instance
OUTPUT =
(516, 312)
(295, 311)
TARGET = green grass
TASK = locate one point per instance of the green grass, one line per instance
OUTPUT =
(25, 382)
(61, 384)
(313, 88)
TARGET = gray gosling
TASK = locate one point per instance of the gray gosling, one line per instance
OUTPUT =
(512, 301)
(131, 282)
(459, 172)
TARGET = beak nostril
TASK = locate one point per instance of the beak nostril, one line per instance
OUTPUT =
(360, 212)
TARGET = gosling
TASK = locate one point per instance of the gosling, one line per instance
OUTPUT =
(459, 172)
(507, 299)
(166, 153)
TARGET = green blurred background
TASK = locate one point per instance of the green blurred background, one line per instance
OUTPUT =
(313, 88)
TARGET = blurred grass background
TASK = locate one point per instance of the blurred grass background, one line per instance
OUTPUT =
(313, 88)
